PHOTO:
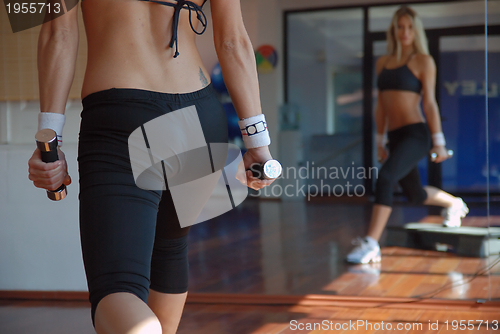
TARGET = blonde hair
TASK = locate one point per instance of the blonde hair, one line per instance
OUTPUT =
(420, 42)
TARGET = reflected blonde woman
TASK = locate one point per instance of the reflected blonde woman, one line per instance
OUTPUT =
(406, 77)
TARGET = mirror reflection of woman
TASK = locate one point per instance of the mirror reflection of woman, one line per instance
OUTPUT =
(406, 77)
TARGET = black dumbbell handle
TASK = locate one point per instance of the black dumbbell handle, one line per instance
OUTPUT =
(46, 141)
(49, 156)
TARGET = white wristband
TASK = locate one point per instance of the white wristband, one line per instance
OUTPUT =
(254, 131)
(381, 139)
(438, 139)
(54, 121)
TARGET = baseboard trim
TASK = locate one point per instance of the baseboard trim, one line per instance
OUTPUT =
(44, 295)
(306, 300)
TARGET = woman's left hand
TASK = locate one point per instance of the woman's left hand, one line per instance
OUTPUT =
(441, 154)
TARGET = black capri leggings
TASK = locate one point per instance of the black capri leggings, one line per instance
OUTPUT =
(407, 146)
(131, 238)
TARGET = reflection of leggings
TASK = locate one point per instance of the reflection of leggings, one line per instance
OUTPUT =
(407, 146)
(131, 238)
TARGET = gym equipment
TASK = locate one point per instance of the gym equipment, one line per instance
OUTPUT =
(434, 155)
(271, 169)
(464, 240)
(46, 141)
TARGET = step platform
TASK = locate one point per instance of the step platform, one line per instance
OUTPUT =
(463, 241)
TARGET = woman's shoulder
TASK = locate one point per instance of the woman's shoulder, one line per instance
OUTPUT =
(381, 61)
(424, 61)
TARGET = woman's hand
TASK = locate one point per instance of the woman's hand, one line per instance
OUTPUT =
(254, 155)
(51, 175)
(382, 154)
(441, 153)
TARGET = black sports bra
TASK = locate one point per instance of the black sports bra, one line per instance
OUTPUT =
(400, 78)
(178, 5)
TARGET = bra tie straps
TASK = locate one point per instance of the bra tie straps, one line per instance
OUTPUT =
(180, 4)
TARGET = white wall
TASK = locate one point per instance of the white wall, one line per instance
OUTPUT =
(39, 242)
(39, 238)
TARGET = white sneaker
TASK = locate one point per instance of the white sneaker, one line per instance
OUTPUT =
(367, 251)
(454, 214)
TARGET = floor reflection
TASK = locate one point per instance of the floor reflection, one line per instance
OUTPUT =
(296, 248)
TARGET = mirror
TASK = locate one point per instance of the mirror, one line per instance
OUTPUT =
(330, 80)
(327, 147)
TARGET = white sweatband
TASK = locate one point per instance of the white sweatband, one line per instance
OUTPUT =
(254, 131)
(381, 139)
(438, 139)
(54, 121)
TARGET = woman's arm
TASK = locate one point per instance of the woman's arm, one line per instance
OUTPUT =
(431, 110)
(237, 60)
(236, 56)
(57, 51)
(380, 118)
(428, 78)
(381, 137)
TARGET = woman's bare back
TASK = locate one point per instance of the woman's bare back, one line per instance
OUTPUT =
(128, 47)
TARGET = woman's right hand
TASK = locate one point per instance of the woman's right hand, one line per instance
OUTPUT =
(382, 154)
(244, 175)
(441, 154)
(51, 175)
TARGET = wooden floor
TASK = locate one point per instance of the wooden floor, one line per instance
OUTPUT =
(416, 273)
(265, 251)
(24, 317)
(295, 248)
(288, 320)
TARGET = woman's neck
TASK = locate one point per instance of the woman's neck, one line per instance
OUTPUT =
(407, 51)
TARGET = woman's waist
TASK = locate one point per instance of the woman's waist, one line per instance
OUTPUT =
(400, 103)
(402, 115)
(131, 97)
(148, 72)
(418, 130)
(393, 125)
(116, 112)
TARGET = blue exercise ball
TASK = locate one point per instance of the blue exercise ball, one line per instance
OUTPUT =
(218, 80)
(232, 121)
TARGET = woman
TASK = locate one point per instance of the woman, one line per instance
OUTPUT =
(406, 75)
(142, 63)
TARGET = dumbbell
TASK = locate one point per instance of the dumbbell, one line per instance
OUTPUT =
(271, 169)
(46, 141)
(434, 155)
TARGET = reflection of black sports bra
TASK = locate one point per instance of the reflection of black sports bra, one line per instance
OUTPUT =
(400, 78)
(178, 5)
